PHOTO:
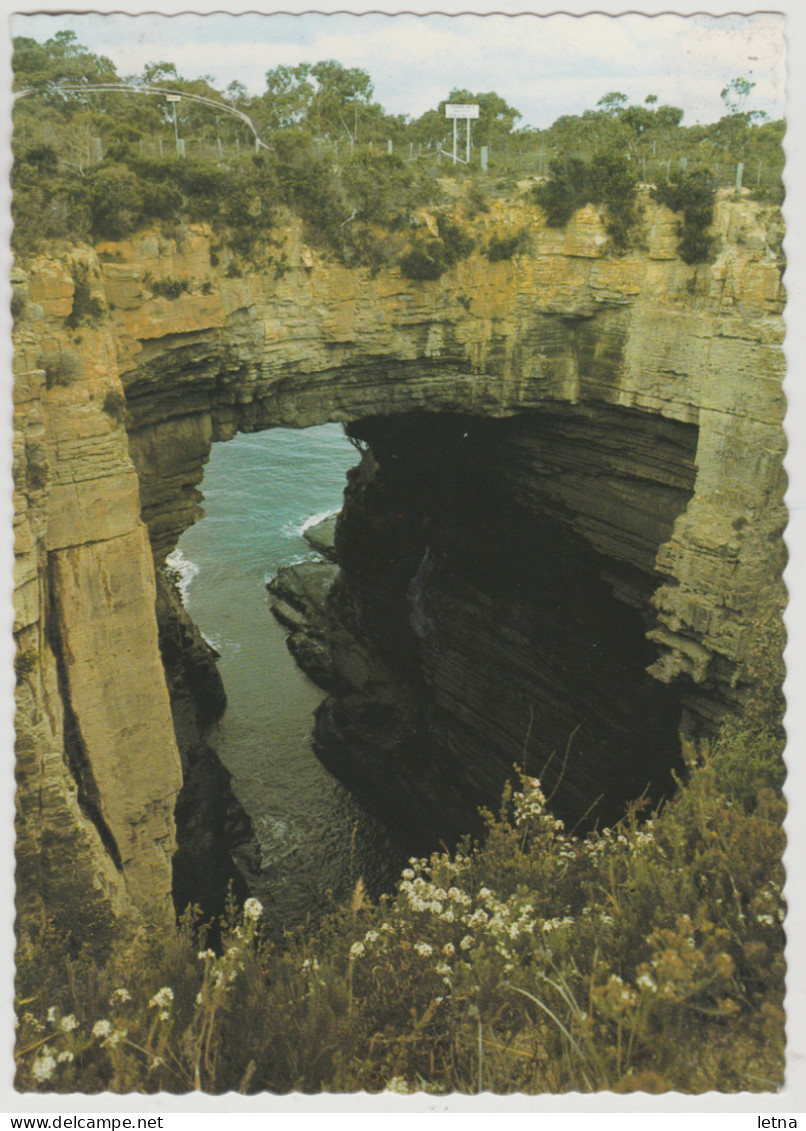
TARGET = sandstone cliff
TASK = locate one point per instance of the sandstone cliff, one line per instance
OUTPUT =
(118, 399)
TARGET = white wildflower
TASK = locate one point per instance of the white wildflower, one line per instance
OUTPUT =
(68, 1023)
(162, 998)
(42, 1068)
(101, 1029)
(371, 936)
(423, 949)
(484, 893)
(398, 1085)
(52, 1014)
(65, 1057)
(252, 909)
(164, 1015)
(357, 950)
(449, 949)
(466, 942)
(121, 994)
(407, 874)
(646, 982)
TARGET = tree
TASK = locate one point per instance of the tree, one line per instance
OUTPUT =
(734, 126)
(59, 61)
(236, 93)
(288, 96)
(735, 94)
(613, 103)
(341, 93)
(157, 74)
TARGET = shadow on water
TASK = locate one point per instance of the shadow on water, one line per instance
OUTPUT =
(315, 839)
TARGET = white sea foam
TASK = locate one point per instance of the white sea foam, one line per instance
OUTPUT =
(297, 529)
(184, 568)
(213, 641)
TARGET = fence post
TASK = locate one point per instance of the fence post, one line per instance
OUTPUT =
(160, 145)
(758, 178)
(739, 171)
(389, 146)
(180, 146)
(97, 149)
(484, 155)
(668, 169)
(220, 147)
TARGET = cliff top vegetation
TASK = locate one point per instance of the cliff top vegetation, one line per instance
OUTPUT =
(647, 957)
(93, 165)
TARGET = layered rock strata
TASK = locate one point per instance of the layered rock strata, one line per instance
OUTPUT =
(115, 415)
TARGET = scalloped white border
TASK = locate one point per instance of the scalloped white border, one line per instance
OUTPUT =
(792, 1100)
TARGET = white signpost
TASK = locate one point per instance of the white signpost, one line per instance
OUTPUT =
(457, 110)
(174, 98)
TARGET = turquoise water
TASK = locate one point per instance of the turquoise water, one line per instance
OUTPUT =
(260, 493)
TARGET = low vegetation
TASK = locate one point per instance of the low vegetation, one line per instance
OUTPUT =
(607, 180)
(694, 195)
(648, 956)
(100, 166)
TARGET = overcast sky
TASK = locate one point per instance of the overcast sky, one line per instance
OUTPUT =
(543, 66)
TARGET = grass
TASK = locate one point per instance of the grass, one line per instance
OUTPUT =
(645, 957)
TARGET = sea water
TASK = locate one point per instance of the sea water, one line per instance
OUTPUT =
(261, 492)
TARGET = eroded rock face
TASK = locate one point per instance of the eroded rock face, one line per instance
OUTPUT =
(561, 334)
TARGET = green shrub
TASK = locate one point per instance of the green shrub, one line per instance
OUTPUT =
(61, 367)
(86, 308)
(424, 260)
(168, 287)
(116, 201)
(566, 189)
(694, 195)
(476, 201)
(506, 247)
(608, 180)
(456, 242)
(114, 404)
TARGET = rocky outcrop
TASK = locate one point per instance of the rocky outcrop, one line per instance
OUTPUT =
(115, 415)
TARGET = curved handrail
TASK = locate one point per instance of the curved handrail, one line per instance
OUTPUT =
(119, 88)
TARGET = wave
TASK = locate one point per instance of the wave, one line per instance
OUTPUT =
(185, 571)
(297, 529)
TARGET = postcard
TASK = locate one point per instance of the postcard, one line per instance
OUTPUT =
(407, 526)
